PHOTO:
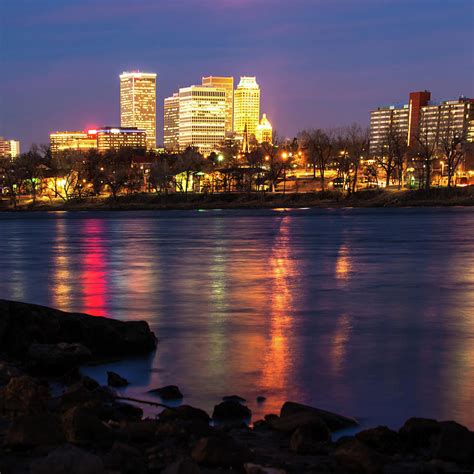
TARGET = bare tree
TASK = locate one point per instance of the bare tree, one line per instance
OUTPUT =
(452, 143)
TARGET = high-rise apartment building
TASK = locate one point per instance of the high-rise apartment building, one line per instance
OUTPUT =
(9, 148)
(247, 106)
(138, 103)
(383, 119)
(202, 115)
(114, 138)
(171, 123)
(264, 130)
(226, 83)
(79, 141)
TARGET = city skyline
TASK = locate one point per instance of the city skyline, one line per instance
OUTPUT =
(319, 61)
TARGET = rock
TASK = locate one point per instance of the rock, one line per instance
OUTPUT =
(183, 466)
(220, 451)
(310, 438)
(233, 398)
(22, 325)
(257, 469)
(58, 358)
(81, 426)
(381, 439)
(355, 457)
(138, 431)
(231, 410)
(125, 459)
(184, 412)
(35, 430)
(170, 392)
(68, 459)
(419, 433)
(115, 380)
(22, 396)
(7, 371)
(299, 412)
(261, 399)
(455, 443)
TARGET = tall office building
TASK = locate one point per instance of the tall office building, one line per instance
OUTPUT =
(226, 83)
(79, 141)
(247, 106)
(9, 148)
(264, 131)
(171, 123)
(138, 103)
(202, 115)
(115, 138)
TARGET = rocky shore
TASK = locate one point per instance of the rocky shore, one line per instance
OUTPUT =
(85, 428)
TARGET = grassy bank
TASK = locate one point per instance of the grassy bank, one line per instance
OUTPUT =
(328, 199)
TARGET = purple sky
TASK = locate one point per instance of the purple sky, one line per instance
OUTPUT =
(319, 63)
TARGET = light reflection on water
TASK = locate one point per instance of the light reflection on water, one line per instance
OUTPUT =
(365, 312)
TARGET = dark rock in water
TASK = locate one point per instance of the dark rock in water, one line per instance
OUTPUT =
(183, 466)
(22, 325)
(82, 426)
(382, 439)
(231, 410)
(68, 459)
(310, 438)
(294, 414)
(220, 451)
(58, 358)
(35, 430)
(184, 412)
(455, 443)
(233, 398)
(170, 392)
(261, 399)
(419, 433)
(115, 380)
(22, 396)
(355, 457)
(124, 458)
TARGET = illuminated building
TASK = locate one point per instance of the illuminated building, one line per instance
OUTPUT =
(382, 120)
(264, 131)
(9, 148)
(226, 83)
(138, 103)
(202, 114)
(109, 138)
(171, 123)
(79, 141)
(247, 106)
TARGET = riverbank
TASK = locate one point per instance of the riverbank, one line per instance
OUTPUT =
(330, 199)
(53, 419)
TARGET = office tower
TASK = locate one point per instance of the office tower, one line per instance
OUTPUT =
(171, 123)
(79, 141)
(202, 114)
(264, 130)
(246, 106)
(226, 83)
(9, 148)
(138, 103)
(115, 138)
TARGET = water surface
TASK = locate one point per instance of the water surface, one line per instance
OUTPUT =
(365, 312)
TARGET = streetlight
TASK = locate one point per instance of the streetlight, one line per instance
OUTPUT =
(284, 156)
(220, 158)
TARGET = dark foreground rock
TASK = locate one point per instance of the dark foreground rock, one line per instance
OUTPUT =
(170, 392)
(115, 380)
(231, 410)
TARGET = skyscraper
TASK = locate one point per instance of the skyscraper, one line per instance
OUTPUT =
(247, 106)
(9, 148)
(171, 123)
(264, 131)
(202, 114)
(226, 83)
(138, 103)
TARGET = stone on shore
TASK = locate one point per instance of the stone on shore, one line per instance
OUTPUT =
(382, 439)
(310, 438)
(82, 426)
(231, 410)
(455, 443)
(184, 412)
(115, 380)
(233, 398)
(170, 392)
(220, 451)
(184, 465)
(123, 458)
(355, 457)
(29, 431)
(23, 395)
(57, 358)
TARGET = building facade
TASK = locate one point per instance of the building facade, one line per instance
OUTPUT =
(384, 119)
(9, 148)
(138, 103)
(171, 123)
(114, 138)
(79, 141)
(202, 118)
(264, 131)
(226, 83)
(246, 106)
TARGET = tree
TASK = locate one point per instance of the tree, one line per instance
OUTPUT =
(31, 165)
(452, 142)
(189, 162)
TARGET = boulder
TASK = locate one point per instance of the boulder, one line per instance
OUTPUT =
(125, 459)
(68, 459)
(138, 431)
(233, 398)
(41, 429)
(220, 451)
(24, 395)
(419, 433)
(22, 325)
(310, 438)
(7, 371)
(184, 465)
(261, 399)
(82, 426)
(170, 392)
(231, 410)
(184, 412)
(355, 457)
(454, 443)
(57, 358)
(115, 380)
(257, 469)
(381, 439)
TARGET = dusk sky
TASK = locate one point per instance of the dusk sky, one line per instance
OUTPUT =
(319, 63)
